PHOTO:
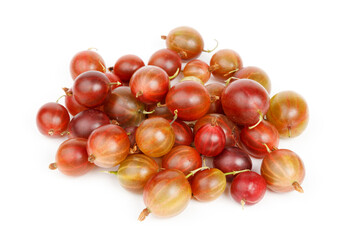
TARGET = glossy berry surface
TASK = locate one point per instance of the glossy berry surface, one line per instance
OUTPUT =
(224, 63)
(256, 74)
(232, 159)
(190, 99)
(83, 123)
(167, 193)
(283, 171)
(123, 107)
(245, 101)
(149, 84)
(166, 59)
(182, 158)
(210, 140)
(159, 111)
(136, 170)
(259, 140)
(248, 188)
(289, 113)
(72, 157)
(84, 61)
(208, 185)
(91, 89)
(108, 146)
(197, 68)
(186, 41)
(232, 132)
(126, 65)
(183, 133)
(155, 137)
(52, 119)
(71, 104)
(215, 90)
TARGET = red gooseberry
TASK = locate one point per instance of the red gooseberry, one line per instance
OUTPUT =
(84, 61)
(149, 84)
(126, 65)
(72, 157)
(108, 146)
(166, 194)
(52, 119)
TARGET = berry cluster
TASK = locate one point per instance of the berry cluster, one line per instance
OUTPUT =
(157, 133)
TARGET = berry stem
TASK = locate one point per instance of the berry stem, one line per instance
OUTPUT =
(236, 172)
(146, 112)
(242, 202)
(175, 74)
(110, 172)
(115, 83)
(138, 94)
(211, 50)
(144, 214)
(52, 166)
(227, 81)
(297, 187)
(227, 74)
(261, 117)
(91, 158)
(214, 98)
(175, 116)
(267, 148)
(195, 171)
(57, 101)
(160, 105)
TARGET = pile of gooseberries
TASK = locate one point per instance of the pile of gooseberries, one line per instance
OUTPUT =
(158, 132)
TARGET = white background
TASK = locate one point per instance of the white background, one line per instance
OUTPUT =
(311, 47)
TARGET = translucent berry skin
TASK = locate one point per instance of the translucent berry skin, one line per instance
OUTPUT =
(167, 193)
(256, 74)
(183, 158)
(283, 171)
(155, 137)
(149, 84)
(123, 107)
(183, 133)
(207, 185)
(108, 146)
(126, 65)
(52, 119)
(166, 59)
(197, 68)
(84, 61)
(83, 123)
(210, 140)
(244, 100)
(224, 62)
(254, 140)
(136, 170)
(186, 41)
(232, 132)
(91, 89)
(72, 157)
(232, 159)
(215, 90)
(289, 113)
(190, 99)
(248, 187)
